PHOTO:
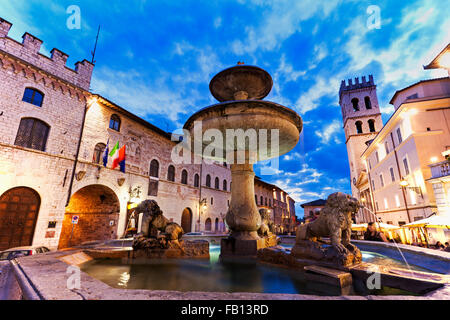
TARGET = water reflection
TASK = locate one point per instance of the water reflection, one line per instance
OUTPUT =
(210, 275)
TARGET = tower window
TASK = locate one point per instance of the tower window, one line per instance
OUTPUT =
(355, 102)
(33, 96)
(358, 127)
(224, 185)
(371, 125)
(368, 103)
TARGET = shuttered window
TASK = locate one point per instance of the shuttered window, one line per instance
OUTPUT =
(32, 133)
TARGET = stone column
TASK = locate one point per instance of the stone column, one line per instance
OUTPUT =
(243, 217)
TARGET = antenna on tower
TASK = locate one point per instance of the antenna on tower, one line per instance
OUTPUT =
(95, 46)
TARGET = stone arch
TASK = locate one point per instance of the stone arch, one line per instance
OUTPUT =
(19, 209)
(208, 224)
(98, 209)
(355, 104)
(358, 125)
(186, 220)
(216, 225)
(371, 123)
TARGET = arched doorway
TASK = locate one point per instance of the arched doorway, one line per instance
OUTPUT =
(186, 220)
(19, 208)
(98, 208)
(208, 224)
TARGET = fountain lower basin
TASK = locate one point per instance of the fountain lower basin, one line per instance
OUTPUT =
(209, 275)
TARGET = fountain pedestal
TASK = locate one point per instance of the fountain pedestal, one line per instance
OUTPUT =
(240, 90)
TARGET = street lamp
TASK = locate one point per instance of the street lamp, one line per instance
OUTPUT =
(405, 184)
(202, 205)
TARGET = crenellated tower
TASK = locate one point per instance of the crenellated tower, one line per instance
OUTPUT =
(362, 121)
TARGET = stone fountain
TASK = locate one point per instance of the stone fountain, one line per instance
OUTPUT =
(240, 90)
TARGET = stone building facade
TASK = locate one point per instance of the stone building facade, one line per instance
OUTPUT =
(391, 168)
(53, 132)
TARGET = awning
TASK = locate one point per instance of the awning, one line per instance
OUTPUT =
(431, 222)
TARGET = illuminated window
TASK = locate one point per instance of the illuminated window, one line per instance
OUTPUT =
(397, 201)
(412, 196)
(33, 96)
(386, 204)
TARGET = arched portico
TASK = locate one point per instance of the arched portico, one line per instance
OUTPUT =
(98, 208)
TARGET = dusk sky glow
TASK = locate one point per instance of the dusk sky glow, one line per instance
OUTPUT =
(156, 58)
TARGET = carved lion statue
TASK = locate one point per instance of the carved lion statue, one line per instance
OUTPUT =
(334, 221)
(267, 227)
(153, 219)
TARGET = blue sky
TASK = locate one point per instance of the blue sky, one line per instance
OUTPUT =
(155, 58)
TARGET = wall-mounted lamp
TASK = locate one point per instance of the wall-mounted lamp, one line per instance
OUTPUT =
(405, 184)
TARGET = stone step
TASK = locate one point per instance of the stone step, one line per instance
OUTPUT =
(335, 277)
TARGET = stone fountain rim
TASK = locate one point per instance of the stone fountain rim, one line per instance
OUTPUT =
(226, 71)
(297, 120)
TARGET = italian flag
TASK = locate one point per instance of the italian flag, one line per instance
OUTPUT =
(118, 157)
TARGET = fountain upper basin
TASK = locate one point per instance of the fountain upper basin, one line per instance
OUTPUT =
(248, 114)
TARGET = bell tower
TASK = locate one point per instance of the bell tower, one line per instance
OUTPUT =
(362, 121)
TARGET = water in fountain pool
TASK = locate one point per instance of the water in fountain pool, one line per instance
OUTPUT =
(212, 276)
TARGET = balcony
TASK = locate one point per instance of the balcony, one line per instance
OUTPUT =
(441, 169)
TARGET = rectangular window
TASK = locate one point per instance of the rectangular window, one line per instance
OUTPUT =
(399, 136)
(401, 223)
(377, 157)
(386, 147)
(373, 184)
(386, 204)
(406, 166)
(391, 170)
(412, 196)
(370, 165)
(397, 201)
(381, 180)
(153, 187)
